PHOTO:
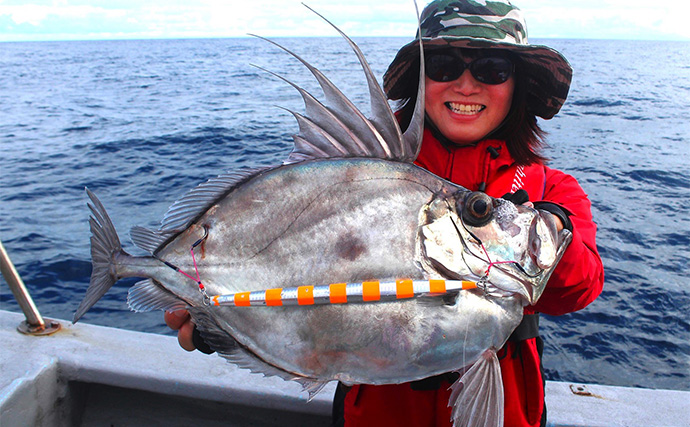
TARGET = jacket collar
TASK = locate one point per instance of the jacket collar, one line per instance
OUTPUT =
(498, 152)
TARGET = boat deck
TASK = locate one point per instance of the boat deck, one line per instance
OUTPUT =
(86, 375)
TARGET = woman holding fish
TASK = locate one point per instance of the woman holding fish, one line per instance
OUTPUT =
(485, 86)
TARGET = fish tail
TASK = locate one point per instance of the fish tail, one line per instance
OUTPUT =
(105, 244)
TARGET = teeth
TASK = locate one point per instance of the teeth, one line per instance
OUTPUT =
(465, 108)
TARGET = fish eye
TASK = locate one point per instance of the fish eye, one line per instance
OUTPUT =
(477, 209)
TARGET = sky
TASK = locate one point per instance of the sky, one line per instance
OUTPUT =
(29, 20)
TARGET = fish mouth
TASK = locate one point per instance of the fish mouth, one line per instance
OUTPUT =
(547, 246)
(528, 275)
(493, 254)
(465, 109)
(532, 280)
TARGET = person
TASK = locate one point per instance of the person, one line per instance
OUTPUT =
(485, 87)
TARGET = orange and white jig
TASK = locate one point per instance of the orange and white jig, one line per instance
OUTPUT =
(341, 293)
(335, 293)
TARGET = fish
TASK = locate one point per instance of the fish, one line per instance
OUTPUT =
(348, 207)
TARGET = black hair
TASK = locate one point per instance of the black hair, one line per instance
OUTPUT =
(520, 130)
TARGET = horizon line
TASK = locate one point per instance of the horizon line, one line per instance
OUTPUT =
(212, 37)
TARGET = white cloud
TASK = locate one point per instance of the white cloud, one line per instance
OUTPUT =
(624, 19)
(29, 14)
(46, 19)
(291, 18)
(36, 14)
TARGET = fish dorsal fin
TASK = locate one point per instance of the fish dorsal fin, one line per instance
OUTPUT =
(321, 140)
(347, 113)
(415, 131)
(195, 202)
(383, 118)
(338, 125)
(147, 239)
(334, 129)
(185, 210)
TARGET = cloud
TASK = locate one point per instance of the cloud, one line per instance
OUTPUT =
(604, 19)
(36, 14)
(202, 18)
(288, 18)
(30, 14)
(97, 19)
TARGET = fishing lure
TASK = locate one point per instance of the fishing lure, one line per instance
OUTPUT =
(335, 293)
(341, 293)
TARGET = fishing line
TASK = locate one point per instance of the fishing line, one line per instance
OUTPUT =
(202, 288)
(488, 260)
(492, 263)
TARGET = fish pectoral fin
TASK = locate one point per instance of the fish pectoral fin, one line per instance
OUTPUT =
(435, 300)
(477, 396)
(150, 295)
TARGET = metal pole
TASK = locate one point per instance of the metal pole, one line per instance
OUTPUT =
(34, 322)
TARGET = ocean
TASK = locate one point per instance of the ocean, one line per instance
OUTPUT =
(140, 122)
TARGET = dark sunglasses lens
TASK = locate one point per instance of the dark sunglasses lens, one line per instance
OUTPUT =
(491, 70)
(443, 68)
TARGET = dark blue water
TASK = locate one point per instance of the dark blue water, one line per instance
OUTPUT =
(141, 122)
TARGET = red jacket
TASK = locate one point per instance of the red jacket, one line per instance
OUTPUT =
(576, 282)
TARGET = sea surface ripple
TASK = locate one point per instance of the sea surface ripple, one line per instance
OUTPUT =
(142, 122)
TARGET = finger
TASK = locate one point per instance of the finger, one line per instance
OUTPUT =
(184, 336)
(520, 197)
(176, 319)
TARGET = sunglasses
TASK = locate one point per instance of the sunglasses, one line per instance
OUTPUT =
(491, 70)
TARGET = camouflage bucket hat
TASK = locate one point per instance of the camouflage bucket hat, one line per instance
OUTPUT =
(484, 24)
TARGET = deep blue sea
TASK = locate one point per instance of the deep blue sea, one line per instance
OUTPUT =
(142, 122)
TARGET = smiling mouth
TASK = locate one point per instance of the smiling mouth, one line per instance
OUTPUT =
(465, 109)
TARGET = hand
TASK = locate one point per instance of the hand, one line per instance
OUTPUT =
(559, 223)
(520, 197)
(181, 322)
(556, 219)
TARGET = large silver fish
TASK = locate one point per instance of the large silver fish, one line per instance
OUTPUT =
(347, 206)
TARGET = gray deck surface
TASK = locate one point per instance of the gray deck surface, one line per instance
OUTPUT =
(92, 375)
